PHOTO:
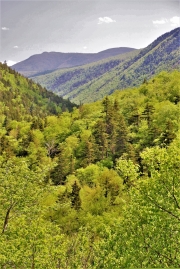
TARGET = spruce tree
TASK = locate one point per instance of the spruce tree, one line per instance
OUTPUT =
(75, 198)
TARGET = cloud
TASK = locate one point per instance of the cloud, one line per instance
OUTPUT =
(15, 47)
(84, 47)
(105, 20)
(162, 21)
(175, 21)
(4, 28)
(9, 62)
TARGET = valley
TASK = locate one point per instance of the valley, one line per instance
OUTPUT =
(94, 185)
(89, 83)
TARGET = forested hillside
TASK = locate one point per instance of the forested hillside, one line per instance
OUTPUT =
(96, 187)
(21, 97)
(94, 81)
(49, 61)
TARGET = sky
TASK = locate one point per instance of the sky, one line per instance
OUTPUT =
(86, 26)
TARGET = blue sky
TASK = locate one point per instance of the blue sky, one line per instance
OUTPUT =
(32, 27)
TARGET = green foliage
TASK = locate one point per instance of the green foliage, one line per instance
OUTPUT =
(97, 187)
(22, 99)
(148, 236)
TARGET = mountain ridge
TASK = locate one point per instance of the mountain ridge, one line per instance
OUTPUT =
(50, 61)
(91, 82)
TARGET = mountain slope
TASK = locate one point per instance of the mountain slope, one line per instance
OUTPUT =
(66, 81)
(49, 61)
(92, 82)
(95, 187)
(22, 99)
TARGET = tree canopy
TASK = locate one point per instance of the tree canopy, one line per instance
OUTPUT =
(93, 187)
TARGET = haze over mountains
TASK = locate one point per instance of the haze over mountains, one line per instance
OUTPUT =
(93, 81)
(49, 61)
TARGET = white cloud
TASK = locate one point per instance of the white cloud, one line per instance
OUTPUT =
(84, 47)
(9, 62)
(105, 20)
(162, 21)
(15, 47)
(175, 21)
(4, 28)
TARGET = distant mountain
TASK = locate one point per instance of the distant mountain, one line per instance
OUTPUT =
(93, 81)
(50, 61)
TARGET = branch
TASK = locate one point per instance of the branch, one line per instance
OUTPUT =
(163, 209)
(6, 221)
(173, 194)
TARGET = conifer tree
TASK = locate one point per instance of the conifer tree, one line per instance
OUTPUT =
(168, 135)
(148, 112)
(101, 140)
(75, 198)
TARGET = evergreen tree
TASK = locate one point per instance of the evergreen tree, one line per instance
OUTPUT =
(88, 154)
(101, 140)
(168, 135)
(75, 198)
(148, 112)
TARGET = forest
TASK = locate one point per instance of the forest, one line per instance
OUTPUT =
(122, 71)
(89, 186)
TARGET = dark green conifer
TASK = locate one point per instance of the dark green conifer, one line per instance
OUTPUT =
(75, 198)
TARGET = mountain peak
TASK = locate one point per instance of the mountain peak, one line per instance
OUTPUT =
(49, 61)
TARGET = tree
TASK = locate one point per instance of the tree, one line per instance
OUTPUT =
(148, 112)
(100, 136)
(148, 235)
(168, 135)
(128, 171)
(75, 198)
(65, 164)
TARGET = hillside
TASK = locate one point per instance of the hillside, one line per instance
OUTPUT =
(65, 82)
(96, 187)
(92, 82)
(49, 61)
(21, 98)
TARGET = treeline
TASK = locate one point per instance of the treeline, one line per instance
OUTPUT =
(96, 187)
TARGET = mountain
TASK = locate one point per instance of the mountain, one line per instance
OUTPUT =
(93, 81)
(94, 187)
(49, 61)
(22, 99)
